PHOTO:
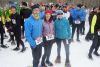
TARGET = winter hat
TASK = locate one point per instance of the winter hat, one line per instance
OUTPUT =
(48, 11)
(35, 6)
(79, 5)
(59, 12)
(24, 3)
(13, 6)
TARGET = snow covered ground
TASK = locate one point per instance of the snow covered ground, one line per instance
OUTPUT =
(78, 55)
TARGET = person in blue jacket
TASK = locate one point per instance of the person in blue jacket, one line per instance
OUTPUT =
(33, 33)
(83, 18)
(76, 14)
(62, 33)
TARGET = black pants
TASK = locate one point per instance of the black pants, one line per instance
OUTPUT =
(36, 53)
(74, 27)
(2, 37)
(2, 34)
(82, 27)
(58, 41)
(17, 35)
(47, 51)
(95, 45)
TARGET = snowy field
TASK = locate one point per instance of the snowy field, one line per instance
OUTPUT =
(78, 55)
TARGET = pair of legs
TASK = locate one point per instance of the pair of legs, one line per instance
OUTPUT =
(66, 45)
(2, 38)
(95, 45)
(36, 54)
(47, 52)
(17, 35)
(74, 27)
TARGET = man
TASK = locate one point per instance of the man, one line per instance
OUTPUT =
(95, 30)
(25, 12)
(2, 30)
(16, 28)
(83, 11)
(33, 33)
(89, 36)
(76, 14)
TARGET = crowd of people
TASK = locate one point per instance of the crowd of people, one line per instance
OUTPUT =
(44, 24)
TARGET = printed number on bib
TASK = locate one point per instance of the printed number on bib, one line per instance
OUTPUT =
(50, 37)
(99, 33)
(0, 18)
(77, 22)
(13, 21)
(39, 40)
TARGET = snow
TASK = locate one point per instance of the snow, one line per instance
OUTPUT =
(78, 55)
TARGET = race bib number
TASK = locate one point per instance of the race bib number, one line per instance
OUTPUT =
(99, 33)
(77, 22)
(50, 37)
(13, 21)
(0, 18)
(39, 40)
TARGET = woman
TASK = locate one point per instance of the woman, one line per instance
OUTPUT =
(48, 34)
(62, 33)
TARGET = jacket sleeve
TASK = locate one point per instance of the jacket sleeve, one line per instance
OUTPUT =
(93, 23)
(28, 34)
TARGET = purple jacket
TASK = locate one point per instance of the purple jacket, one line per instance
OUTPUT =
(48, 28)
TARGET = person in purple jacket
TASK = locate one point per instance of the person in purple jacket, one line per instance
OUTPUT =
(48, 37)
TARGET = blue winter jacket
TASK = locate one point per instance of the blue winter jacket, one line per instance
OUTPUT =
(83, 11)
(77, 14)
(33, 29)
(62, 29)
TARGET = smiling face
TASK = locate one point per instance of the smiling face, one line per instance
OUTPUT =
(59, 16)
(13, 10)
(48, 16)
(35, 13)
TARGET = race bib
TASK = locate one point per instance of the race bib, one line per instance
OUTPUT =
(13, 21)
(50, 37)
(0, 18)
(99, 33)
(39, 40)
(77, 22)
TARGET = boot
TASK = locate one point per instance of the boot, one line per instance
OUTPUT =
(96, 53)
(23, 49)
(90, 56)
(58, 60)
(4, 46)
(78, 40)
(67, 65)
(49, 63)
(43, 65)
(16, 49)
